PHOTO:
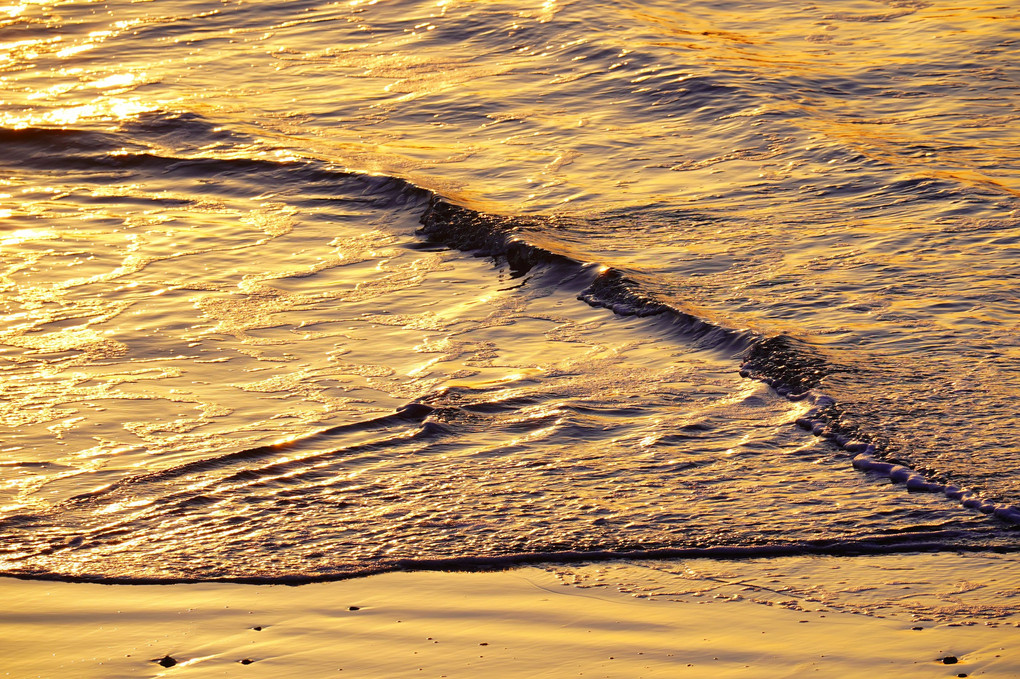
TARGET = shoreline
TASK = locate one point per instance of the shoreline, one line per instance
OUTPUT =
(778, 617)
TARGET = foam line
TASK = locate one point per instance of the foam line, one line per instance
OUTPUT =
(943, 541)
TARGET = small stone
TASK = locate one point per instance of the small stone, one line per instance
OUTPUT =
(950, 660)
(354, 608)
(165, 661)
(257, 628)
(917, 629)
(246, 661)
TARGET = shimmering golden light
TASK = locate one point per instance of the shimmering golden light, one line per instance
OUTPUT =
(108, 109)
(26, 236)
(75, 49)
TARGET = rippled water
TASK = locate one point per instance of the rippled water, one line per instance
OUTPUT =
(310, 289)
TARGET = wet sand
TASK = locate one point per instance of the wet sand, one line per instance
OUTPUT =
(900, 615)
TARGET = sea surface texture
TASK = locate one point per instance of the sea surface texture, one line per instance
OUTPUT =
(304, 290)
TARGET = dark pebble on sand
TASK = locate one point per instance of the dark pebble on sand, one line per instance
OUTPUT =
(917, 629)
(950, 660)
(354, 608)
(166, 661)
(257, 628)
(962, 674)
(246, 661)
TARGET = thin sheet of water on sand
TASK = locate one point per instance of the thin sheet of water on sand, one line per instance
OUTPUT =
(903, 615)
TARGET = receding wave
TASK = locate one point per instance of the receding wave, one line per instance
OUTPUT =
(654, 431)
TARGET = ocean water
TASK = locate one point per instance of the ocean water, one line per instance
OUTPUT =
(311, 290)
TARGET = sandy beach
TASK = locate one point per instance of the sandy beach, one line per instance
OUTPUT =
(900, 615)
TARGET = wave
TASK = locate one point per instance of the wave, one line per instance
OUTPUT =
(791, 366)
(170, 147)
(411, 414)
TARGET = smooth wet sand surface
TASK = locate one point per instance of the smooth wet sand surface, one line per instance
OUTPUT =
(530, 622)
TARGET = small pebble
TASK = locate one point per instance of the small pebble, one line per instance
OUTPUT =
(257, 629)
(166, 661)
(354, 608)
(950, 660)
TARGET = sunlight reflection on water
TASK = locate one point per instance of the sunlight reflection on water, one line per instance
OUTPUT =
(190, 271)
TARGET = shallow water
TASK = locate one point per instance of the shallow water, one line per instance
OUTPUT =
(311, 290)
